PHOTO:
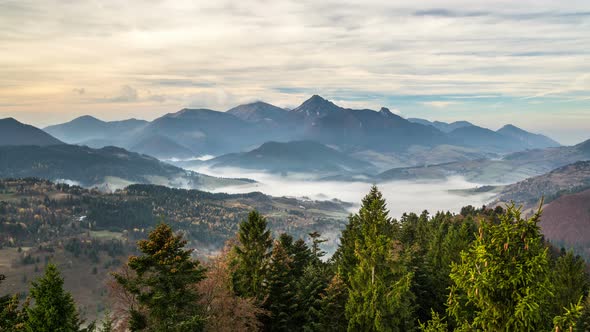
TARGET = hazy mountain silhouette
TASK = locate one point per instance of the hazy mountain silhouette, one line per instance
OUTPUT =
(110, 166)
(296, 156)
(13, 132)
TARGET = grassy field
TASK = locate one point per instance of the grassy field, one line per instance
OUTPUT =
(84, 279)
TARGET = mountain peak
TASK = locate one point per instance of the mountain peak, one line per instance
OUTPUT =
(9, 120)
(510, 127)
(260, 111)
(385, 110)
(317, 106)
(583, 146)
(86, 119)
(14, 132)
(189, 112)
(530, 140)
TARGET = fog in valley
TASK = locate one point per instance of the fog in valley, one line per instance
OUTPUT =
(401, 196)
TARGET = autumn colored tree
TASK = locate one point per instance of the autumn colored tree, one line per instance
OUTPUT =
(163, 282)
(333, 301)
(224, 310)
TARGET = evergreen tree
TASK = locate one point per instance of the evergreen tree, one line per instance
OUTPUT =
(316, 251)
(252, 257)
(570, 281)
(298, 251)
(54, 309)
(450, 235)
(12, 316)
(379, 297)
(345, 258)
(108, 323)
(282, 301)
(163, 284)
(333, 302)
(310, 289)
(503, 280)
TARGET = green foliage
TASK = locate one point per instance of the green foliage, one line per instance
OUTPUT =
(252, 257)
(163, 284)
(569, 319)
(503, 281)
(298, 251)
(108, 323)
(345, 258)
(310, 289)
(54, 309)
(282, 292)
(379, 296)
(333, 302)
(570, 281)
(12, 316)
(436, 324)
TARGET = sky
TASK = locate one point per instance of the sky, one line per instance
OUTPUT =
(524, 62)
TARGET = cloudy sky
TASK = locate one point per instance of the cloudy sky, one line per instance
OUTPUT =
(525, 62)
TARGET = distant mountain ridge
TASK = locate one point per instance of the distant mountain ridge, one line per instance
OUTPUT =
(570, 178)
(528, 139)
(442, 126)
(511, 168)
(247, 126)
(87, 128)
(14, 133)
(295, 156)
(507, 138)
(108, 167)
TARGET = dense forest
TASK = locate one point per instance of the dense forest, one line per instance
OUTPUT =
(480, 270)
(34, 211)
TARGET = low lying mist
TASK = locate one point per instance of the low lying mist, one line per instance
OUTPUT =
(402, 196)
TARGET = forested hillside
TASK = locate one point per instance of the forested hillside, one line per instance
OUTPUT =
(482, 269)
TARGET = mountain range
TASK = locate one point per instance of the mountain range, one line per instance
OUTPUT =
(26, 151)
(294, 156)
(507, 169)
(198, 132)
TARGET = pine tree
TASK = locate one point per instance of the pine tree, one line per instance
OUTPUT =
(570, 281)
(282, 301)
(379, 297)
(333, 301)
(108, 323)
(252, 257)
(503, 280)
(345, 258)
(310, 290)
(163, 284)
(54, 309)
(298, 251)
(316, 240)
(12, 316)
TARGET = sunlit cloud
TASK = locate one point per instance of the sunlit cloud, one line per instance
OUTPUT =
(173, 54)
(439, 103)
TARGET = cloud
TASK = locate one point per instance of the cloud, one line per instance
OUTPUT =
(439, 103)
(127, 94)
(228, 51)
(448, 13)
